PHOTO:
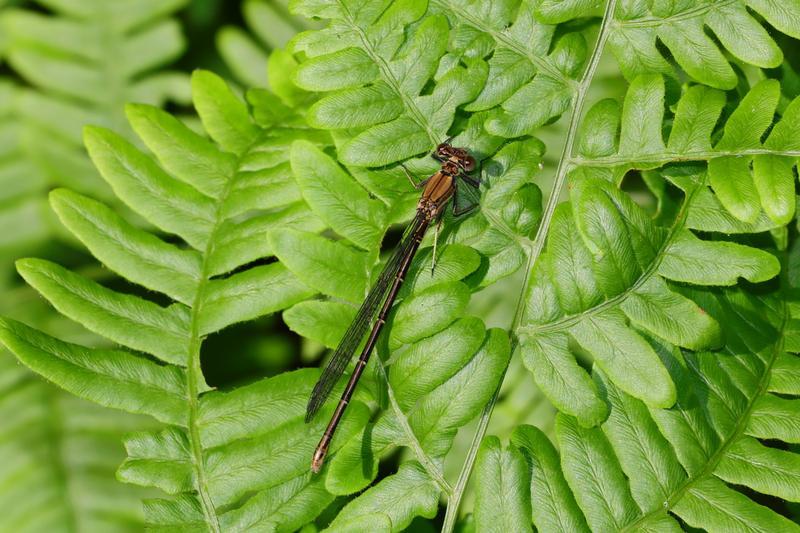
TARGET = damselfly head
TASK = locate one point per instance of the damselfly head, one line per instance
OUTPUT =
(462, 158)
(444, 151)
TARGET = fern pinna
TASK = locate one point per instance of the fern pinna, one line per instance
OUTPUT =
(674, 379)
(61, 49)
(66, 64)
(202, 201)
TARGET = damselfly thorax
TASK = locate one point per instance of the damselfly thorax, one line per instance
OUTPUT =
(436, 194)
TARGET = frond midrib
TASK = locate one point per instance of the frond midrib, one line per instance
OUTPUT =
(664, 158)
(533, 252)
(694, 12)
(734, 436)
(386, 73)
(567, 321)
(425, 461)
(193, 370)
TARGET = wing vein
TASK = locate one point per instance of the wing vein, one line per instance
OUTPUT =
(364, 318)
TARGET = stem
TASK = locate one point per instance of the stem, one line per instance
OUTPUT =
(664, 158)
(388, 76)
(194, 372)
(458, 491)
(427, 463)
(699, 11)
(725, 445)
(533, 254)
(568, 321)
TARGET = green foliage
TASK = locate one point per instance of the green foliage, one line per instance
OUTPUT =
(114, 48)
(750, 178)
(66, 64)
(375, 80)
(269, 27)
(503, 500)
(61, 453)
(665, 338)
(646, 465)
(528, 63)
(680, 28)
(620, 267)
(24, 221)
(202, 201)
(60, 456)
(89, 44)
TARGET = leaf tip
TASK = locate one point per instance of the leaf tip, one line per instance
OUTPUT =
(96, 139)
(201, 78)
(135, 111)
(61, 197)
(92, 133)
(28, 265)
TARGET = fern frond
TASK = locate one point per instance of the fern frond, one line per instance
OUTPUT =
(71, 49)
(83, 62)
(427, 399)
(24, 223)
(422, 412)
(754, 180)
(377, 79)
(620, 267)
(681, 28)
(60, 456)
(528, 63)
(217, 195)
(611, 283)
(646, 466)
(60, 452)
(606, 244)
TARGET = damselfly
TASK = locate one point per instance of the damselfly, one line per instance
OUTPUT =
(437, 191)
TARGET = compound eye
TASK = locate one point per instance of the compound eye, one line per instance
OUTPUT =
(469, 163)
(443, 151)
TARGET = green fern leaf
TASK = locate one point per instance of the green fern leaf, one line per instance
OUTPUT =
(645, 466)
(527, 62)
(246, 51)
(24, 223)
(202, 456)
(64, 449)
(65, 52)
(503, 501)
(553, 505)
(61, 452)
(329, 266)
(408, 493)
(680, 28)
(691, 384)
(336, 197)
(60, 456)
(759, 198)
(675, 461)
(84, 45)
(428, 400)
(376, 80)
(620, 263)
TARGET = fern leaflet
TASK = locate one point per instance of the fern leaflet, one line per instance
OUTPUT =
(207, 200)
